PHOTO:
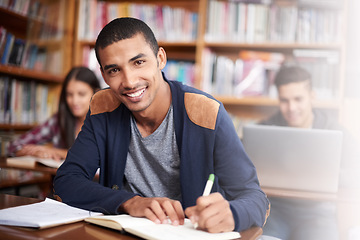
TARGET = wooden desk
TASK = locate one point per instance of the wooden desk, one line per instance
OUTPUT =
(79, 230)
(44, 181)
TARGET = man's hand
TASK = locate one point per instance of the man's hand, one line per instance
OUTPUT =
(212, 213)
(157, 210)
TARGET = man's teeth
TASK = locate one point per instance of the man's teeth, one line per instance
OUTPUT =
(136, 94)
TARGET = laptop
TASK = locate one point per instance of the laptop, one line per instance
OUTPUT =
(294, 158)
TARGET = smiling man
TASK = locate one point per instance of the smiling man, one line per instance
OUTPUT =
(295, 99)
(156, 142)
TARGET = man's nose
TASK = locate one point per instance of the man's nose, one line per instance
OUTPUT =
(128, 79)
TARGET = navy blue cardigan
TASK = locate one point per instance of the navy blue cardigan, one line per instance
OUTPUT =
(207, 143)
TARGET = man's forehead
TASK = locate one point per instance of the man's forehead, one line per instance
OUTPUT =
(295, 85)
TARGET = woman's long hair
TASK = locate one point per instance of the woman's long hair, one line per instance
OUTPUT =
(66, 119)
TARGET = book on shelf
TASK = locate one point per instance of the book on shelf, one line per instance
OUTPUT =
(147, 229)
(89, 60)
(31, 161)
(25, 54)
(17, 52)
(23, 102)
(45, 214)
(167, 23)
(9, 41)
(280, 22)
(182, 71)
(323, 66)
(251, 74)
(334, 4)
(19, 6)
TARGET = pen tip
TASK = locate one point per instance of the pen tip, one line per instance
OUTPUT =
(212, 177)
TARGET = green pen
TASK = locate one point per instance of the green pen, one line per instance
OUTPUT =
(209, 185)
(207, 190)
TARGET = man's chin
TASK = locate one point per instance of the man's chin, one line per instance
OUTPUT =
(292, 123)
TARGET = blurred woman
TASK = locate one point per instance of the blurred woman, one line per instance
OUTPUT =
(54, 137)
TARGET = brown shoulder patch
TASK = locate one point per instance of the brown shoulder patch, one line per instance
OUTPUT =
(201, 110)
(104, 101)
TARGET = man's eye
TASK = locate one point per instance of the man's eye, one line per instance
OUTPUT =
(114, 70)
(139, 62)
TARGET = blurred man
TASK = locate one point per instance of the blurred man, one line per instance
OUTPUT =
(302, 219)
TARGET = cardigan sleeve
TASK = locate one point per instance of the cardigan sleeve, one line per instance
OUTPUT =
(74, 183)
(237, 177)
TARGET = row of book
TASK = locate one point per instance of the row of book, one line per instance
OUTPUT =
(25, 102)
(168, 24)
(44, 21)
(49, 25)
(256, 23)
(324, 67)
(22, 7)
(253, 73)
(182, 71)
(25, 54)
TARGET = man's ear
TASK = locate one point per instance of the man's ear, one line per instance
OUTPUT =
(161, 57)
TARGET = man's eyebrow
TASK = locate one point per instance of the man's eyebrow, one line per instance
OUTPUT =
(109, 66)
(140, 55)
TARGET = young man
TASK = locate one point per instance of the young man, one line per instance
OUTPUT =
(295, 218)
(156, 142)
(295, 102)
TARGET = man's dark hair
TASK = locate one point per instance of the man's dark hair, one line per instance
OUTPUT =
(291, 74)
(124, 28)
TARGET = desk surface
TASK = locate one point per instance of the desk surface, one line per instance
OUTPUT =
(79, 230)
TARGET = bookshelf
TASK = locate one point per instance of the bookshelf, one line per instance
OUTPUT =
(30, 84)
(37, 65)
(295, 41)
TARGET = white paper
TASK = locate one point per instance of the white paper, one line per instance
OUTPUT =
(44, 214)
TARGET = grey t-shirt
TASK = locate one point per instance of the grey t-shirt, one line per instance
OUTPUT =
(153, 163)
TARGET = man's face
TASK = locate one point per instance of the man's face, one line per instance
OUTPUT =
(132, 71)
(296, 104)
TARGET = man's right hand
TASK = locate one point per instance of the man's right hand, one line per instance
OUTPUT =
(158, 210)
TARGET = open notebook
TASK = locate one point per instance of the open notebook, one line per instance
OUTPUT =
(147, 229)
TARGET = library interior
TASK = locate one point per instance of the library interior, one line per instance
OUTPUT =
(234, 50)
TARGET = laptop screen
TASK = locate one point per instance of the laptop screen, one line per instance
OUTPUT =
(295, 158)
